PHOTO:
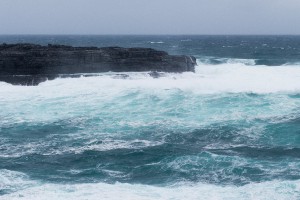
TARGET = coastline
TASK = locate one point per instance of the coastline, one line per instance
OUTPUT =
(31, 64)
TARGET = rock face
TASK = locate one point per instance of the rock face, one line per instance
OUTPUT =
(30, 64)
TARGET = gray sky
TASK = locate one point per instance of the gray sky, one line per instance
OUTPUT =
(149, 16)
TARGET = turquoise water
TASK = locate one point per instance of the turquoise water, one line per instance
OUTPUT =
(229, 131)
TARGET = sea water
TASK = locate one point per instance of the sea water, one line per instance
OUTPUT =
(229, 131)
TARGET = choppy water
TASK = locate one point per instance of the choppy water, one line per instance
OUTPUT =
(229, 131)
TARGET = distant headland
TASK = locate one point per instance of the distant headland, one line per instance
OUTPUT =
(31, 64)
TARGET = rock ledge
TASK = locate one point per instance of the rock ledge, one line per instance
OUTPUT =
(30, 64)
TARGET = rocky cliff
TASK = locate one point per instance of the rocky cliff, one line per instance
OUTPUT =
(30, 64)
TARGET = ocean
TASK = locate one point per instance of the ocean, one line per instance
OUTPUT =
(231, 130)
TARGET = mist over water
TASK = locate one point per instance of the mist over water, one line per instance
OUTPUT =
(228, 131)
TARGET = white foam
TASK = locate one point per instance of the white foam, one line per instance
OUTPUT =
(249, 62)
(239, 77)
(275, 190)
(145, 101)
(186, 40)
(159, 42)
(13, 181)
(47, 148)
(207, 61)
(232, 77)
(108, 144)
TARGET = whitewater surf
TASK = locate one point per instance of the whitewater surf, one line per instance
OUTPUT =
(228, 131)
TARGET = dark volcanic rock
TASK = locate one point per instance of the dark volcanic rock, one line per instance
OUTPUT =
(30, 64)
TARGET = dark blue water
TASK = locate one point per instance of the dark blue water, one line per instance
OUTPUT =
(229, 131)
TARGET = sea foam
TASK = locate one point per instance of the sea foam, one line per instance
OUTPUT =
(232, 77)
(276, 190)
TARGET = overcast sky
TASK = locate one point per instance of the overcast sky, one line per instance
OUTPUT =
(149, 16)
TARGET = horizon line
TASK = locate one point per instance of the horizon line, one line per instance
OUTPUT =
(76, 34)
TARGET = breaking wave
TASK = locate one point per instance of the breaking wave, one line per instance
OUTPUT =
(277, 190)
